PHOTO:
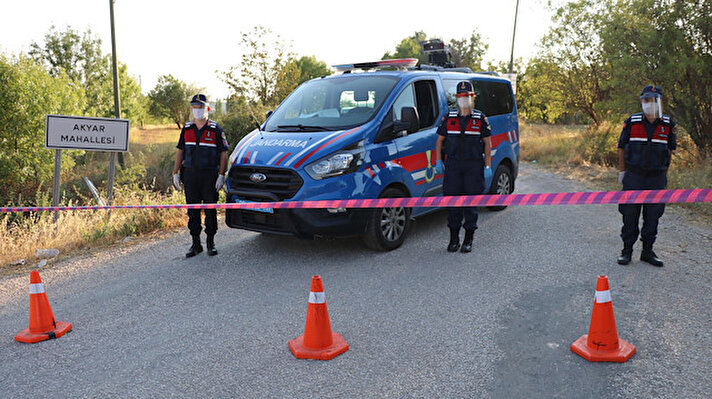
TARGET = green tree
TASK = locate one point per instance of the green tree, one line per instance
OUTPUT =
(409, 48)
(267, 72)
(80, 58)
(310, 68)
(468, 52)
(27, 94)
(669, 44)
(535, 101)
(569, 72)
(170, 98)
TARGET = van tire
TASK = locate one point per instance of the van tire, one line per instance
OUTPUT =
(387, 228)
(502, 183)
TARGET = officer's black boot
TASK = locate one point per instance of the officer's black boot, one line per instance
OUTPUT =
(626, 254)
(454, 244)
(649, 256)
(211, 246)
(467, 243)
(195, 249)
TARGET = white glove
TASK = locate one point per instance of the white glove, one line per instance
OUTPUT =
(219, 182)
(176, 181)
(620, 176)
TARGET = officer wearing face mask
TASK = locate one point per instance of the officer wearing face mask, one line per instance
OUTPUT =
(465, 144)
(202, 161)
(645, 147)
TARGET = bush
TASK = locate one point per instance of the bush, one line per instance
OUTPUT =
(242, 118)
(599, 144)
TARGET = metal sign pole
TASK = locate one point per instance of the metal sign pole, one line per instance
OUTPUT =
(55, 184)
(117, 106)
(514, 32)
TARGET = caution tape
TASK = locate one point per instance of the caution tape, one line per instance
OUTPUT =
(574, 198)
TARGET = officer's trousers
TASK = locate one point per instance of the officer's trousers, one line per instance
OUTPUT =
(651, 212)
(463, 178)
(200, 188)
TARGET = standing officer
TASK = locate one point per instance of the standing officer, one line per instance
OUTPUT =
(462, 140)
(644, 149)
(202, 161)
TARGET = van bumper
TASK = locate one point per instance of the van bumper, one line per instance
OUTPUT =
(302, 223)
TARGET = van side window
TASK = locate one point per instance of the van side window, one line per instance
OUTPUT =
(498, 98)
(406, 99)
(427, 101)
(422, 96)
(493, 98)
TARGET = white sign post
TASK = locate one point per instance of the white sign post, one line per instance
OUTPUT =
(64, 132)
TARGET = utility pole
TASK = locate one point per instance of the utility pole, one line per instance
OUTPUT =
(117, 107)
(511, 56)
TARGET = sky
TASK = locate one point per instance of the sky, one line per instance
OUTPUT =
(193, 39)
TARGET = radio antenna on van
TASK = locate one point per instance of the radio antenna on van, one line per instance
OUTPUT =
(254, 118)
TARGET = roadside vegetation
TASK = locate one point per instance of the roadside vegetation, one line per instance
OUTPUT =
(590, 154)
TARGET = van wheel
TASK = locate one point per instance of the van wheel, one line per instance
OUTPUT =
(387, 227)
(502, 183)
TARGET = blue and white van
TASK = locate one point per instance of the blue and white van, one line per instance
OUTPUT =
(355, 136)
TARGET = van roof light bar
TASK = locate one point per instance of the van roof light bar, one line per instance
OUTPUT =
(398, 63)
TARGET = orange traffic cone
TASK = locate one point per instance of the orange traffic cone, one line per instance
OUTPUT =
(318, 341)
(43, 326)
(602, 344)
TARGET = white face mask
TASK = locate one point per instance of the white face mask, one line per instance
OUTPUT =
(200, 113)
(464, 102)
(650, 109)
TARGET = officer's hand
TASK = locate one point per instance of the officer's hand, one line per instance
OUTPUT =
(176, 181)
(620, 176)
(488, 172)
(219, 182)
(439, 167)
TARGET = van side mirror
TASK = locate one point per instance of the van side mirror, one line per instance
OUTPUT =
(409, 120)
(391, 129)
(268, 113)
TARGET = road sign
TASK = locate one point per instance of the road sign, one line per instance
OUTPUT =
(83, 133)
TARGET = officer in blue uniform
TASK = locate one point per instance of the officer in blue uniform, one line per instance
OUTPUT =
(644, 150)
(464, 142)
(202, 161)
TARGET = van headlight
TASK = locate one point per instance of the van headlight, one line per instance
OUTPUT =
(342, 162)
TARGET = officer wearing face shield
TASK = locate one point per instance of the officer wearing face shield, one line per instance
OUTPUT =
(202, 161)
(465, 144)
(645, 148)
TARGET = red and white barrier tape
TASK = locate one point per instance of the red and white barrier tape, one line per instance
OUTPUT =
(576, 198)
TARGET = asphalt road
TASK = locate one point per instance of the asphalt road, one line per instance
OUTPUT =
(420, 322)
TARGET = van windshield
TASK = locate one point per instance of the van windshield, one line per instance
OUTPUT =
(331, 104)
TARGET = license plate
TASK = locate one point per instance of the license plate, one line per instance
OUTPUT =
(263, 210)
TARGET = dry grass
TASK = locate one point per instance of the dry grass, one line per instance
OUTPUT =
(146, 180)
(86, 229)
(155, 134)
(590, 155)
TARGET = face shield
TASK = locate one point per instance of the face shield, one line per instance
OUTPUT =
(464, 102)
(200, 111)
(652, 105)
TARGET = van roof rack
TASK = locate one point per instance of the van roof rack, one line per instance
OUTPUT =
(437, 68)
